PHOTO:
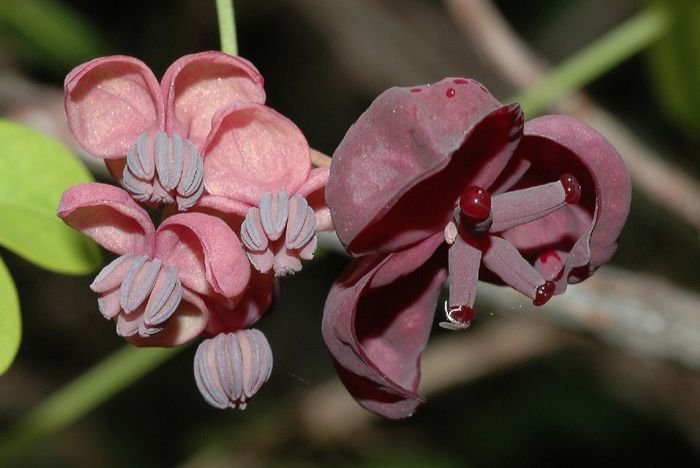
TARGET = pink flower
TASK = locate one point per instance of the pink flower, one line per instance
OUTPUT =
(168, 285)
(443, 179)
(258, 174)
(151, 135)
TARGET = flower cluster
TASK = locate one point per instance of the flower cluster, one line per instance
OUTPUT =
(442, 180)
(230, 183)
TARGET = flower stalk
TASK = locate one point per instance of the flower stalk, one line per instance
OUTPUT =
(227, 26)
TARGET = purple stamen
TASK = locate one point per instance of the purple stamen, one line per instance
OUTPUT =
(261, 233)
(164, 169)
(231, 367)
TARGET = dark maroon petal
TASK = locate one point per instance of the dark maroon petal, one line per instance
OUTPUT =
(376, 323)
(400, 168)
(584, 234)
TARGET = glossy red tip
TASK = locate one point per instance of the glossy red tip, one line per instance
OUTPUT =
(450, 92)
(464, 314)
(544, 293)
(571, 187)
(475, 204)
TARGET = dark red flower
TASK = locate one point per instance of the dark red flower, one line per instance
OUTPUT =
(443, 179)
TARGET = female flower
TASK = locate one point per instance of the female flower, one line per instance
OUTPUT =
(444, 179)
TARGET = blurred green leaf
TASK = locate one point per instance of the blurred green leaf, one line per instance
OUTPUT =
(48, 31)
(10, 324)
(34, 172)
(674, 63)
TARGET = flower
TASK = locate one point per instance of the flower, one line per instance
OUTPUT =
(168, 285)
(443, 179)
(231, 367)
(151, 135)
(258, 175)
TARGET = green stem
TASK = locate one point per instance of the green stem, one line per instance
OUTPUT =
(227, 26)
(82, 395)
(593, 61)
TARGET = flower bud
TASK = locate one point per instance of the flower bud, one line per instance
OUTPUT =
(231, 367)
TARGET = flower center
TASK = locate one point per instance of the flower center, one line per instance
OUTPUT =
(262, 229)
(163, 169)
(475, 240)
(140, 293)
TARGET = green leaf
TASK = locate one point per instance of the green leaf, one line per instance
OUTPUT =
(34, 172)
(674, 64)
(10, 324)
(48, 32)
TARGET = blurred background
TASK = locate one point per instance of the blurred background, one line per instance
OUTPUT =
(606, 375)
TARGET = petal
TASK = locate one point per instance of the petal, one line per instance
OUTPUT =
(587, 230)
(229, 209)
(206, 253)
(109, 102)
(197, 86)
(109, 216)
(376, 331)
(255, 302)
(314, 192)
(252, 150)
(396, 175)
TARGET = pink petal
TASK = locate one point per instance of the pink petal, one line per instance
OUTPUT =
(252, 150)
(587, 230)
(109, 216)
(109, 102)
(377, 333)
(256, 300)
(197, 86)
(223, 207)
(400, 168)
(314, 192)
(206, 253)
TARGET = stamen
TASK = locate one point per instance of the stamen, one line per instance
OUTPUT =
(140, 293)
(230, 368)
(165, 297)
(274, 210)
(252, 233)
(301, 225)
(261, 233)
(162, 169)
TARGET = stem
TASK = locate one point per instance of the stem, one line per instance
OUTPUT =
(593, 61)
(82, 395)
(227, 26)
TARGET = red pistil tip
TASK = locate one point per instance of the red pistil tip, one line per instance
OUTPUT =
(544, 293)
(571, 187)
(450, 92)
(464, 314)
(475, 204)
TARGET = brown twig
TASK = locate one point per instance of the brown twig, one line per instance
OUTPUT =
(664, 183)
